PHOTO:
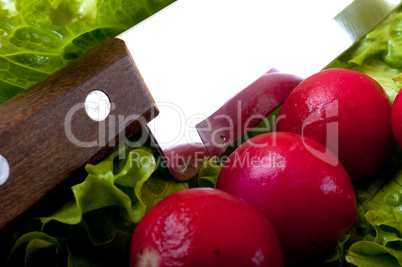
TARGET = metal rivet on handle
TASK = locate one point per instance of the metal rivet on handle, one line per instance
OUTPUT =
(97, 105)
(4, 170)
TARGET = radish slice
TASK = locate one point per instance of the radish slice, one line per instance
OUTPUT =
(245, 110)
(185, 160)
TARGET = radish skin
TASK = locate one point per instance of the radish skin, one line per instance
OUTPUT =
(347, 111)
(396, 119)
(185, 160)
(310, 202)
(204, 227)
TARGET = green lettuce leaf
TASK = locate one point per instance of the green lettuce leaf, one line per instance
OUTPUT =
(39, 37)
(64, 12)
(379, 54)
(31, 244)
(157, 188)
(102, 215)
(370, 254)
(103, 188)
(379, 224)
(376, 239)
(209, 172)
(388, 77)
(337, 252)
(383, 42)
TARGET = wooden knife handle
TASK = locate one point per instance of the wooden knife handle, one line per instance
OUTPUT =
(46, 135)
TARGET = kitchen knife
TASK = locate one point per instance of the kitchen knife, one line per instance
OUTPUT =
(59, 128)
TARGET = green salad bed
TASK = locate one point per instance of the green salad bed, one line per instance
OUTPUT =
(94, 226)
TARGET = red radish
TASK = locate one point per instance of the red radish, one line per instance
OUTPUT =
(396, 118)
(301, 187)
(204, 227)
(185, 160)
(245, 110)
(348, 112)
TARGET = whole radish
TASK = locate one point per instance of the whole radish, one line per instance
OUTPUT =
(396, 118)
(348, 112)
(301, 188)
(204, 227)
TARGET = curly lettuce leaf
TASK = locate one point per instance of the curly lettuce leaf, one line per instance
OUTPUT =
(370, 254)
(337, 252)
(388, 77)
(103, 188)
(31, 244)
(383, 42)
(64, 12)
(157, 188)
(209, 172)
(379, 224)
(97, 224)
(376, 239)
(39, 37)
(379, 54)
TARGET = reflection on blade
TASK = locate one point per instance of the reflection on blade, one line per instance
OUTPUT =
(361, 16)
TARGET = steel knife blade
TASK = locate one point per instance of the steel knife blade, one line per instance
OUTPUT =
(195, 62)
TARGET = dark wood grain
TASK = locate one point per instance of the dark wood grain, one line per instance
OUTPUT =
(33, 136)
